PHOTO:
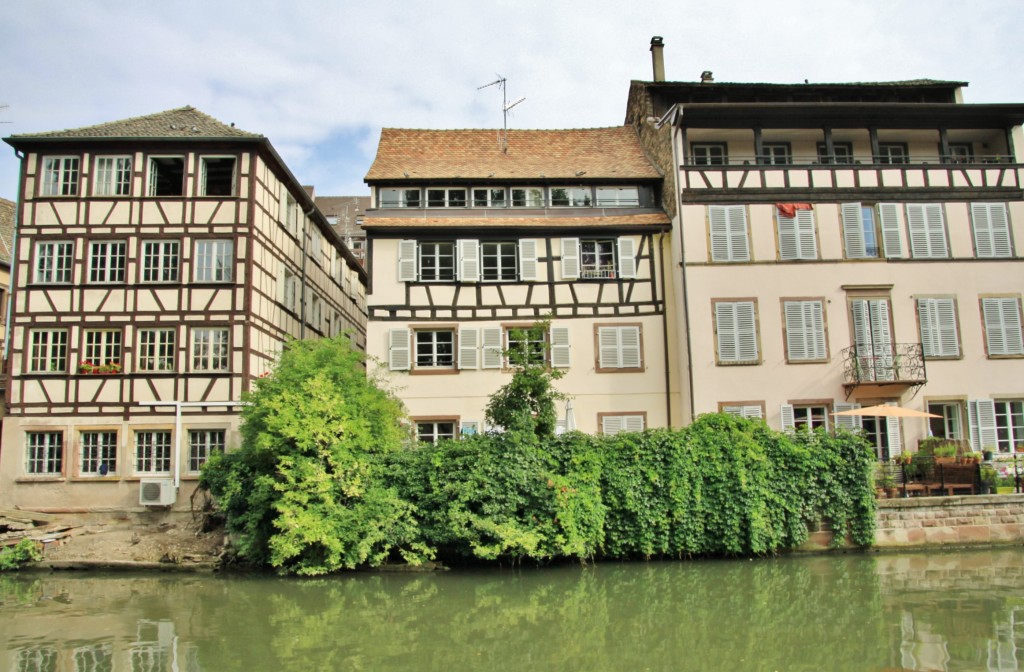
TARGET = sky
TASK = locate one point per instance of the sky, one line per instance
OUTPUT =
(320, 78)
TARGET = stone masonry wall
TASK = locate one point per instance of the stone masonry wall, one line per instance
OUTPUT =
(956, 521)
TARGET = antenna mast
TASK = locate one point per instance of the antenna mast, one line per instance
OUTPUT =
(505, 107)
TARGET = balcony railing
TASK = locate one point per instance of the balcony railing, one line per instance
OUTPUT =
(817, 159)
(904, 365)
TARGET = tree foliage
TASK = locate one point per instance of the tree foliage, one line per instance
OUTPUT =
(304, 493)
(527, 403)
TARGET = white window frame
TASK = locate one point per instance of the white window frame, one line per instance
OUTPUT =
(806, 340)
(204, 175)
(154, 176)
(427, 339)
(112, 176)
(214, 260)
(440, 272)
(619, 348)
(202, 444)
(436, 434)
(749, 411)
(157, 349)
(54, 260)
(939, 334)
(98, 448)
(1002, 320)
(797, 236)
(60, 176)
(571, 197)
(48, 351)
(290, 290)
(161, 261)
(396, 197)
(775, 154)
(1009, 433)
(728, 233)
(990, 224)
(526, 197)
(803, 416)
(450, 197)
(153, 452)
(107, 261)
(618, 197)
(44, 453)
(489, 197)
(926, 225)
(736, 332)
(709, 154)
(211, 349)
(495, 262)
(102, 346)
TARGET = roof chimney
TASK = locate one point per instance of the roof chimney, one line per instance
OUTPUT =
(658, 58)
(706, 77)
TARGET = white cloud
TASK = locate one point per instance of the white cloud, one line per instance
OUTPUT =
(321, 76)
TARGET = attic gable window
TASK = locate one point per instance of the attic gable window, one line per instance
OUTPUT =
(446, 198)
(217, 176)
(618, 197)
(400, 198)
(166, 176)
(527, 197)
(489, 198)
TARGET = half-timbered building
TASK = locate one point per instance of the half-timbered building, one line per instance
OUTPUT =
(161, 263)
(477, 236)
(844, 245)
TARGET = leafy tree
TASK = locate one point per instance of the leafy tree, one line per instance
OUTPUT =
(527, 402)
(304, 492)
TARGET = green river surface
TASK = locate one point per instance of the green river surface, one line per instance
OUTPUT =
(920, 611)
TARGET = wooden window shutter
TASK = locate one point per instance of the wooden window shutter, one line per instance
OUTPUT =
(892, 426)
(527, 260)
(991, 230)
(853, 231)
(491, 346)
(788, 419)
(407, 261)
(469, 348)
(848, 422)
(1002, 326)
(981, 418)
(888, 214)
(938, 327)
(469, 260)
(737, 331)
(728, 233)
(627, 257)
(560, 349)
(927, 230)
(570, 258)
(797, 238)
(398, 349)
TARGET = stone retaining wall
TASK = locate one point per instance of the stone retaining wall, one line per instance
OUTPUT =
(956, 521)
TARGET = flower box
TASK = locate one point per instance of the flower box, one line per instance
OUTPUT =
(90, 369)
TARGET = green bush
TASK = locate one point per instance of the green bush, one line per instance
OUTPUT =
(22, 553)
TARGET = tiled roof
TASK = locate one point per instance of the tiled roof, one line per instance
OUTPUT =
(183, 122)
(482, 221)
(577, 154)
(6, 230)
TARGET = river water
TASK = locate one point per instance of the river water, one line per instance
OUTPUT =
(934, 611)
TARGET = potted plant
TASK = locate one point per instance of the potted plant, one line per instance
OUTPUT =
(988, 479)
(986, 455)
(945, 453)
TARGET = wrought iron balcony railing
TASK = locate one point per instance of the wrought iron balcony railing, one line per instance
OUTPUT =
(900, 364)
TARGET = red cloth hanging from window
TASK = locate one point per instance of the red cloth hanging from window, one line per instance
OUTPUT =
(789, 209)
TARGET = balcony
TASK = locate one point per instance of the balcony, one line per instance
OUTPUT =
(905, 367)
(811, 176)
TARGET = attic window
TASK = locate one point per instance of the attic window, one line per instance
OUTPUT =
(166, 176)
(218, 175)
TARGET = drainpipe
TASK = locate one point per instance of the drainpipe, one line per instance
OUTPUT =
(664, 329)
(677, 132)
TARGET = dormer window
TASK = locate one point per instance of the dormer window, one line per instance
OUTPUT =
(446, 198)
(528, 197)
(576, 197)
(399, 198)
(618, 197)
(489, 198)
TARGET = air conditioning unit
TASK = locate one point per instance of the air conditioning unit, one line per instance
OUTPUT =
(157, 492)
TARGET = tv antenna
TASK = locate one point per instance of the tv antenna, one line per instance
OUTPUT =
(505, 107)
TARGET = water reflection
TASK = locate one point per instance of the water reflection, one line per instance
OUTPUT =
(961, 611)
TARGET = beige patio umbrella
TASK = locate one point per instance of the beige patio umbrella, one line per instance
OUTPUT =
(888, 412)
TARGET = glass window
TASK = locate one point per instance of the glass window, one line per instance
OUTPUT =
(842, 152)
(153, 452)
(156, 350)
(709, 154)
(435, 430)
(48, 351)
(948, 424)
(489, 198)
(446, 198)
(618, 196)
(399, 198)
(577, 197)
(102, 351)
(775, 153)
(166, 176)
(528, 197)
(437, 261)
(107, 261)
(893, 152)
(597, 258)
(290, 291)
(202, 443)
(499, 260)
(60, 176)
(99, 453)
(210, 349)
(435, 348)
(526, 345)
(860, 231)
(53, 262)
(217, 176)
(160, 261)
(1009, 425)
(810, 417)
(214, 260)
(113, 176)
(961, 152)
(45, 453)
